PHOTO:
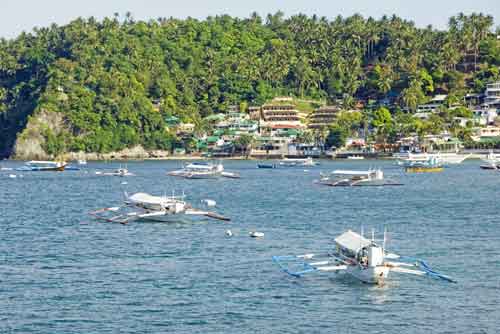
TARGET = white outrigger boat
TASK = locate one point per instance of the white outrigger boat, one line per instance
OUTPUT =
(359, 257)
(300, 162)
(350, 178)
(122, 172)
(203, 170)
(43, 166)
(492, 161)
(146, 207)
(442, 158)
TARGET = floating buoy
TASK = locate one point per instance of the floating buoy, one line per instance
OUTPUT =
(306, 170)
(12, 176)
(209, 202)
(124, 182)
(255, 234)
(229, 233)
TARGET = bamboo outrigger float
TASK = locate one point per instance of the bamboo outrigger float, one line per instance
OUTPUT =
(359, 257)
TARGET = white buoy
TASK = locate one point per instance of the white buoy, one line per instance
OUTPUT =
(306, 170)
(12, 176)
(124, 182)
(229, 233)
(209, 202)
(255, 234)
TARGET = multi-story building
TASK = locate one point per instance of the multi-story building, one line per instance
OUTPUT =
(281, 114)
(492, 96)
(323, 117)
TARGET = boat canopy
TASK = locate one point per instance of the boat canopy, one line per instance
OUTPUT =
(147, 199)
(352, 241)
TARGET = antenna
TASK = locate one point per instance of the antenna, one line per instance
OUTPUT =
(385, 237)
(373, 235)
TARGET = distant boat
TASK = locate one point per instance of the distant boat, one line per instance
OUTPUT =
(443, 158)
(355, 157)
(350, 178)
(42, 166)
(121, 172)
(267, 166)
(429, 165)
(301, 162)
(149, 208)
(82, 162)
(203, 170)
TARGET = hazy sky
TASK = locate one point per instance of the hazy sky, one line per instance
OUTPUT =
(19, 15)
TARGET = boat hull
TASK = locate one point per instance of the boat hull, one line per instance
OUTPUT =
(424, 169)
(370, 275)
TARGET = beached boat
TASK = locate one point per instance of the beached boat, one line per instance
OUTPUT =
(349, 178)
(362, 258)
(42, 166)
(146, 207)
(300, 162)
(203, 170)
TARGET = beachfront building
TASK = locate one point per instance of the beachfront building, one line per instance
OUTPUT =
(323, 117)
(266, 146)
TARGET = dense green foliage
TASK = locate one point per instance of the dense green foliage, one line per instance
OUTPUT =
(103, 76)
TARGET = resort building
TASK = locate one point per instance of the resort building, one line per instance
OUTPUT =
(323, 117)
(281, 114)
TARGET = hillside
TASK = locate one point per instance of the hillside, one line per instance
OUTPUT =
(102, 86)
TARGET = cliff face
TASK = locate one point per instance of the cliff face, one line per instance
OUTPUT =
(31, 142)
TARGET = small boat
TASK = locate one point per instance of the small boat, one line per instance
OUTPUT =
(492, 161)
(443, 158)
(267, 166)
(43, 166)
(362, 258)
(203, 170)
(351, 178)
(429, 165)
(255, 234)
(355, 157)
(121, 172)
(82, 162)
(298, 162)
(146, 207)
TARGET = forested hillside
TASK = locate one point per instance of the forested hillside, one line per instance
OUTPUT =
(95, 83)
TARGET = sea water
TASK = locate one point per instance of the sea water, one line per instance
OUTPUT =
(62, 272)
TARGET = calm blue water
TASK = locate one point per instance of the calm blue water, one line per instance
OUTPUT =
(61, 272)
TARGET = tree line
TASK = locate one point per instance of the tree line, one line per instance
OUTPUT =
(116, 80)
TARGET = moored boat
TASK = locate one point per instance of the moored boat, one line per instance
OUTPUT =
(350, 178)
(43, 166)
(146, 207)
(300, 162)
(362, 258)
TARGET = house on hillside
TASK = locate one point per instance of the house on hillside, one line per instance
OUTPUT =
(434, 104)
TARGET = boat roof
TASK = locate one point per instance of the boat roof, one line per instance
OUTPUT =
(150, 199)
(34, 162)
(352, 241)
(352, 172)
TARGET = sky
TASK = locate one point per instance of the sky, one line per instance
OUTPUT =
(23, 15)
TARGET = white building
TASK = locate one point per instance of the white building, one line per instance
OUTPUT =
(492, 96)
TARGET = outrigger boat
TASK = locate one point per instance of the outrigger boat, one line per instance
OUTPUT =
(307, 162)
(359, 257)
(146, 207)
(43, 166)
(492, 161)
(122, 172)
(350, 178)
(443, 158)
(203, 170)
(430, 165)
